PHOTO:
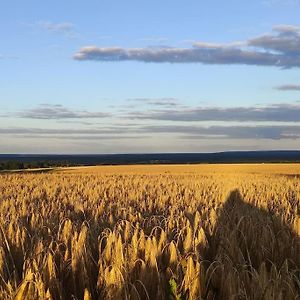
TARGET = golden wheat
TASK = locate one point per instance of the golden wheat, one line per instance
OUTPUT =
(151, 232)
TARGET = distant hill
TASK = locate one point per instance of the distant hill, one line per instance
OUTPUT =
(20, 161)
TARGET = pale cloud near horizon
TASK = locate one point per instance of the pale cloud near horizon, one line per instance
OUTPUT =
(58, 111)
(280, 48)
(167, 102)
(272, 132)
(164, 120)
(269, 113)
(169, 109)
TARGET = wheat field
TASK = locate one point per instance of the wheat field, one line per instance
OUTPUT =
(151, 232)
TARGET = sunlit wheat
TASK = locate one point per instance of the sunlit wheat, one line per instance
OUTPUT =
(176, 232)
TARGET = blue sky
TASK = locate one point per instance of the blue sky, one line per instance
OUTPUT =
(155, 76)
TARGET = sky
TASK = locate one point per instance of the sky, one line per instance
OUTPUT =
(149, 76)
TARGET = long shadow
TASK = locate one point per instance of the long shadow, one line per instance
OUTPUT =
(252, 254)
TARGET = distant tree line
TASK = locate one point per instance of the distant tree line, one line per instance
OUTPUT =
(17, 165)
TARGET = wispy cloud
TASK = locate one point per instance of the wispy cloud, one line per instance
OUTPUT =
(154, 39)
(169, 120)
(280, 48)
(3, 56)
(234, 132)
(49, 111)
(162, 102)
(288, 87)
(55, 131)
(65, 28)
(169, 109)
(270, 113)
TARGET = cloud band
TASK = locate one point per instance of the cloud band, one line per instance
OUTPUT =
(281, 48)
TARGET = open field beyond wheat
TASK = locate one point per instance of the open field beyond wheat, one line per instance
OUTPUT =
(151, 232)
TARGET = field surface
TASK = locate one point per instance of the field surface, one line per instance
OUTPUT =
(204, 169)
(151, 232)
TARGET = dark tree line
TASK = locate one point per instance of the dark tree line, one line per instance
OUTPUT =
(18, 165)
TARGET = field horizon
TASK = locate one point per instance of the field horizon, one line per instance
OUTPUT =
(29, 161)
